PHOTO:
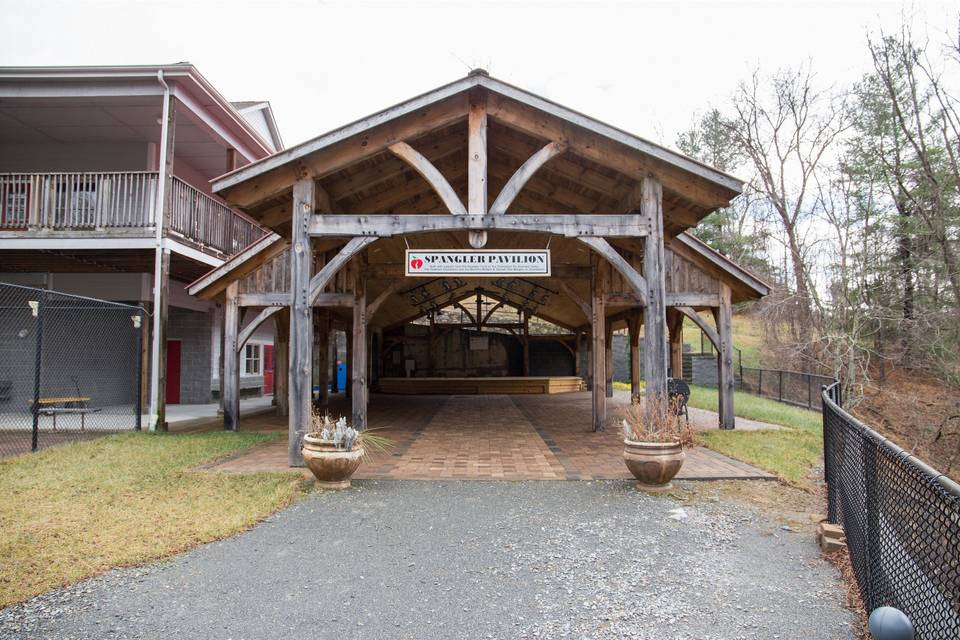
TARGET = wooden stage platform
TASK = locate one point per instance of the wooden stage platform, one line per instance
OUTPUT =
(481, 386)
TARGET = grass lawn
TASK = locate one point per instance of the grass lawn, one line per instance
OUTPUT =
(73, 511)
(789, 453)
(747, 337)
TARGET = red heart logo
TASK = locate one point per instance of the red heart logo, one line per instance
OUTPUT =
(416, 263)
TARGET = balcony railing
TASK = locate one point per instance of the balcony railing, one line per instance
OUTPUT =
(77, 201)
(118, 204)
(197, 216)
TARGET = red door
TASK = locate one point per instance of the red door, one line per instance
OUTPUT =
(267, 369)
(173, 372)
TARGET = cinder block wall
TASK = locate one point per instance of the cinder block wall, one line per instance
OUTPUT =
(193, 330)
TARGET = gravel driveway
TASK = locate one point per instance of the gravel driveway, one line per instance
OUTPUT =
(469, 560)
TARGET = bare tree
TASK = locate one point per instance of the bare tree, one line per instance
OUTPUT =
(785, 128)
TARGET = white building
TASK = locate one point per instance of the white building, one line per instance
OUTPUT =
(104, 192)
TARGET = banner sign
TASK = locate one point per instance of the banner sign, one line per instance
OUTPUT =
(479, 262)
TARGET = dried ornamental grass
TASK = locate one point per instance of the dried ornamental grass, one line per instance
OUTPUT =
(655, 420)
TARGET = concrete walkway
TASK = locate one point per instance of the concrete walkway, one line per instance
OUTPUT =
(436, 560)
(492, 437)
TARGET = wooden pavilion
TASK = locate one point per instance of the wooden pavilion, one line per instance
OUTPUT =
(475, 165)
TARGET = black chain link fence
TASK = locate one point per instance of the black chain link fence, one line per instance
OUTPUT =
(901, 519)
(70, 368)
(791, 387)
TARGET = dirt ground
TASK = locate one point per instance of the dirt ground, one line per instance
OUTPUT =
(912, 409)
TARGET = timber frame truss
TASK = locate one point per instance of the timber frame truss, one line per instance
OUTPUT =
(615, 223)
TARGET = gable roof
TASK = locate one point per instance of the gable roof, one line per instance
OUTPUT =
(263, 107)
(479, 78)
(594, 154)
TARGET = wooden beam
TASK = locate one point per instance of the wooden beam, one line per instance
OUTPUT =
(611, 154)
(606, 251)
(654, 317)
(724, 319)
(477, 164)
(254, 325)
(522, 175)
(570, 225)
(339, 149)
(301, 320)
(264, 299)
(343, 187)
(382, 297)
(230, 384)
(598, 351)
(430, 173)
(557, 272)
(247, 261)
(320, 280)
(704, 326)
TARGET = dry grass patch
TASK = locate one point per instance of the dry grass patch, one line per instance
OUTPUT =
(70, 512)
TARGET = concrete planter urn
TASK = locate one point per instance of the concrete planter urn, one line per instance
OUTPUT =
(331, 465)
(653, 464)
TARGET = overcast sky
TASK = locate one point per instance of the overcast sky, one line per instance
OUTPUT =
(645, 67)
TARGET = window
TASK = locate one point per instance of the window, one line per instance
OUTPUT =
(251, 359)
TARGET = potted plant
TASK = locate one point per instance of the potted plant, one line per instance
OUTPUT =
(333, 450)
(653, 442)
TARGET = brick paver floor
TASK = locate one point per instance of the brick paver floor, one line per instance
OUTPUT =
(521, 437)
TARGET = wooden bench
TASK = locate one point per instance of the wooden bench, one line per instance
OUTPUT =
(72, 405)
(58, 411)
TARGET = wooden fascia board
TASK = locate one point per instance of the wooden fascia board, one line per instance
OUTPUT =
(215, 281)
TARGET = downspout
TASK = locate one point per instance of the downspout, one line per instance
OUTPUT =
(158, 255)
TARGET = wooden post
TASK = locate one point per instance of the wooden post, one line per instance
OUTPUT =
(675, 322)
(230, 383)
(359, 380)
(348, 388)
(588, 338)
(431, 363)
(724, 319)
(608, 358)
(477, 165)
(162, 309)
(323, 352)
(655, 320)
(161, 265)
(576, 353)
(526, 344)
(633, 326)
(301, 318)
(333, 359)
(281, 362)
(379, 353)
(599, 350)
